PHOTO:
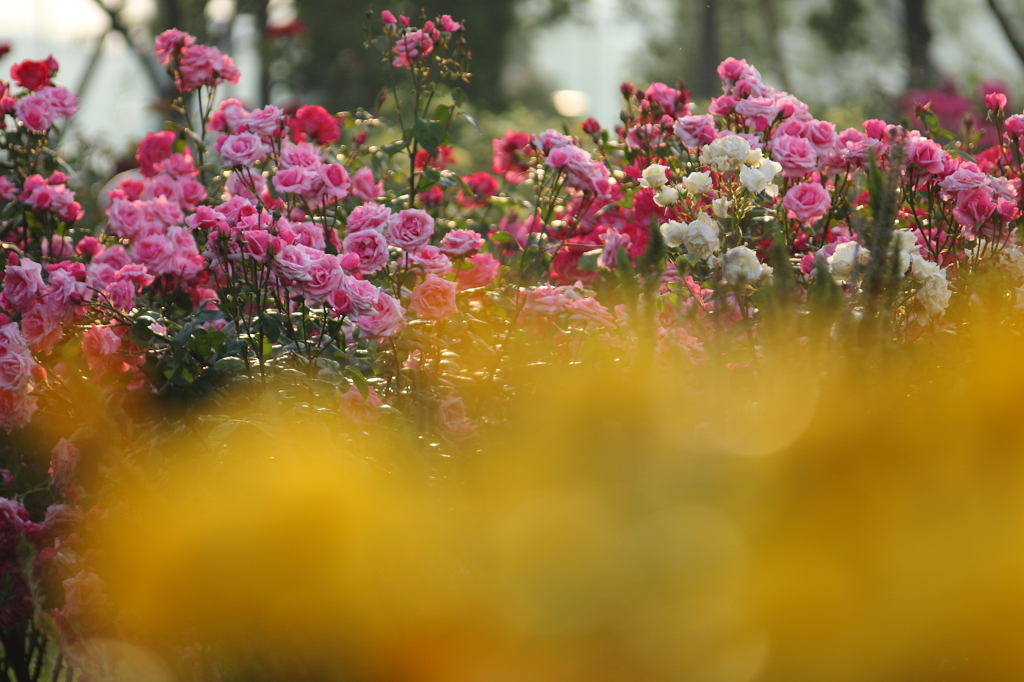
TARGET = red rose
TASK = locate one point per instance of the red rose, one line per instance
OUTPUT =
(34, 75)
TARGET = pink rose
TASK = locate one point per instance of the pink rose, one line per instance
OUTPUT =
(266, 122)
(293, 263)
(363, 185)
(461, 243)
(153, 149)
(8, 190)
(125, 217)
(336, 181)
(758, 112)
(361, 294)
(672, 101)
(927, 154)
(387, 319)
(22, 284)
(484, 270)
(807, 202)
(358, 410)
(411, 46)
(16, 371)
(63, 102)
(302, 155)
(255, 244)
(169, 43)
(156, 252)
(430, 258)
(86, 604)
(120, 294)
(822, 135)
(63, 462)
(451, 416)
(368, 217)
(338, 302)
(243, 149)
(434, 298)
(36, 113)
(325, 276)
(796, 154)
(11, 340)
(15, 410)
(973, 206)
(230, 117)
(100, 346)
(204, 65)
(294, 180)
(589, 313)
(370, 246)
(410, 229)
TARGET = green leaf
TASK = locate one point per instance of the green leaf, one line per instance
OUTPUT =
(230, 364)
(140, 333)
(430, 134)
(431, 174)
(588, 261)
(458, 96)
(501, 237)
(179, 146)
(390, 149)
(442, 112)
(360, 381)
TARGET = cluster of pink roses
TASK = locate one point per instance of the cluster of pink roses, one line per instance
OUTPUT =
(194, 65)
(42, 103)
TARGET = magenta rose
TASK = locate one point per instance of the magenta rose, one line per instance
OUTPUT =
(410, 229)
(807, 202)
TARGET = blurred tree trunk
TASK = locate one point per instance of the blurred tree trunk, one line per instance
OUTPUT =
(771, 15)
(918, 41)
(1011, 35)
(707, 73)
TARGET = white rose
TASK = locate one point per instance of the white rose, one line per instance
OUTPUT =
(934, 296)
(654, 176)
(672, 233)
(759, 179)
(1012, 260)
(725, 153)
(698, 183)
(905, 240)
(755, 157)
(701, 236)
(720, 207)
(740, 266)
(666, 196)
(845, 257)
(921, 269)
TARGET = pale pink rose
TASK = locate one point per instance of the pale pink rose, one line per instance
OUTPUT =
(370, 246)
(430, 258)
(325, 276)
(364, 187)
(358, 410)
(164, 212)
(807, 202)
(243, 149)
(411, 46)
(336, 181)
(546, 300)
(758, 112)
(589, 313)
(292, 263)
(23, 284)
(369, 216)
(967, 176)
(451, 416)
(231, 117)
(247, 185)
(387, 318)
(461, 243)
(301, 155)
(16, 371)
(295, 180)
(822, 135)
(11, 340)
(791, 126)
(101, 346)
(433, 298)
(361, 294)
(63, 462)
(266, 121)
(36, 113)
(63, 102)
(410, 229)
(8, 190)
(973, 206)
(796, 154)
(15, 410)
(484, 270)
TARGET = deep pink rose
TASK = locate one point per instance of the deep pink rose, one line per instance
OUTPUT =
(153, 149)
(807, 202)
(336, 181)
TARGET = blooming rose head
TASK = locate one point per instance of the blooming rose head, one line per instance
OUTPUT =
(807, 202)
(434, 298)
(410, 229)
